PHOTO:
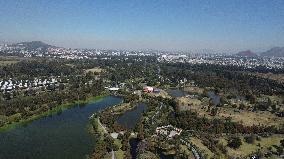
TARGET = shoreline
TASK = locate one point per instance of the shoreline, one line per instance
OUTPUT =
(53, 111)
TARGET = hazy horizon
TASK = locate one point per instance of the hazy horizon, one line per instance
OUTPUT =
(221, 26)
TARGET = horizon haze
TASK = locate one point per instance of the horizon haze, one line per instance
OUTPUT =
(220, 26)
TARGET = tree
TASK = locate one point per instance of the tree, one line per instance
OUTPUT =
(282, 142)
(100, 150)
(280, 150)
(214, 111)
(250, 139)
(109, 142)
(235, 142)
(242, 106)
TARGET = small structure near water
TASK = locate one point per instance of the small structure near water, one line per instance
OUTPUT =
(148, 89)
(169, 131)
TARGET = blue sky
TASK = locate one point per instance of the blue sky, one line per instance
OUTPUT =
(220, 25)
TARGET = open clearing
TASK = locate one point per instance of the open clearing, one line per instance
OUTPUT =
(188, 103)
(162, 93)
(197, 142)
(193, 89)
(246, 117)
(94, 70)
(186, 151)
(7, 62)
(249, 118)
(246, 149)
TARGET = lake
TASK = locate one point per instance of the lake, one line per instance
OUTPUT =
(176, 93)
(215, 97)
(60, 136)
(131, 117)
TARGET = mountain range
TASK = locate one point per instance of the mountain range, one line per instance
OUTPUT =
(275, 51)
(246, 53)
(33, 45)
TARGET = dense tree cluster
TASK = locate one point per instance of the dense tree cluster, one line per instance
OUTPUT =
(36, 68)
(235, 142)
(223, 77)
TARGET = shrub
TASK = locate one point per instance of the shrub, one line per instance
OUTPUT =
(235, 142)
(250, 139)
(282, 142)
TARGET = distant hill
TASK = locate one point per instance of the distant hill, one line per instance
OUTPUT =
(275, 51)
(33, 45)
(247, 53)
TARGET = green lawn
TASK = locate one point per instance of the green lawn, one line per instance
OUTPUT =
(117, 142)
(119, 154)
(246, 149)
(197, 142)
(7, 62)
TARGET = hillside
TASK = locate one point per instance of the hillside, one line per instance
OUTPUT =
(33, 45)
(276, 52)
(247, 53)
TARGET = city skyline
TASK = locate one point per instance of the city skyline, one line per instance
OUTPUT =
(164, 25)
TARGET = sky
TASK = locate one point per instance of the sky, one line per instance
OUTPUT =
(190, 25)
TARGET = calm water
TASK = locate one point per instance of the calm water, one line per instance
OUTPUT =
(133, 147)
(131, 117)
(215, 97)
(176, 93)
(61, 136)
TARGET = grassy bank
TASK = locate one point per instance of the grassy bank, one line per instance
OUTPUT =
(55, 110)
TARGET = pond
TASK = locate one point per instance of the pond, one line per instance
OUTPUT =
(60, 136)
(176, 93)
(131, 117)
(214, 97)
(133, 146)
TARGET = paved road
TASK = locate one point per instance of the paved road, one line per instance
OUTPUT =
(112, 155)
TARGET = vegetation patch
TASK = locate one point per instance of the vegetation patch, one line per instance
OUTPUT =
(7, 62)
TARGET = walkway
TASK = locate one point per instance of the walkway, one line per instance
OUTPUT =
(112, 155)
(104, 128)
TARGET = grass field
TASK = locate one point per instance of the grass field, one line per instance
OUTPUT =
(7, 62)
(186, 151)
(188, 103)
(94, 70)
(70, 65)
(245, 117)
(246, 149)
(117, 142)
(119, 154)
(192, 89)
(99, 128)
(121, 108)
(148, 155)
(252, 118)
(197, 142)
(162, 93)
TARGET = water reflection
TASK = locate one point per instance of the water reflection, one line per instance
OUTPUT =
(131, 117)
(214, 97)
(60, 136)
(176, 93)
